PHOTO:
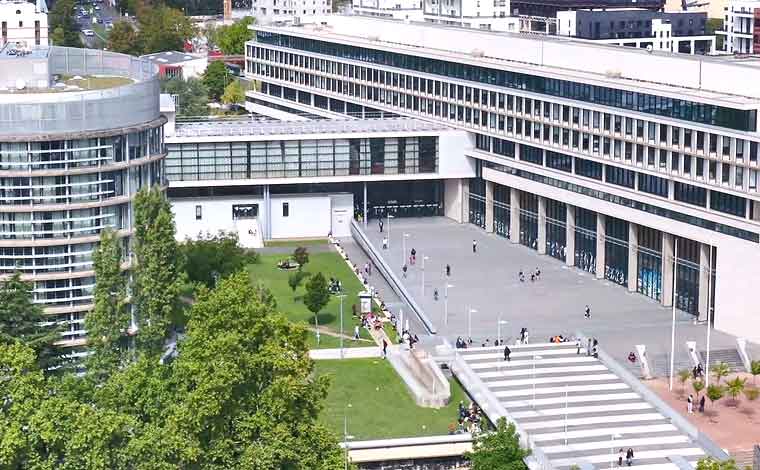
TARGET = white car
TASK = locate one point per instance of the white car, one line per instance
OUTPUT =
(88, 32)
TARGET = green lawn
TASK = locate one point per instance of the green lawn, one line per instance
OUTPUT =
(330, 264)
(296, 243)
(381, 406)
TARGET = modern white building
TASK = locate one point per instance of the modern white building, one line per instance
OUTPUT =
(409, 10)
(741, 27)
(270, 11)
(610, 159)
(174, 64)
(24, 24)
(486, 15)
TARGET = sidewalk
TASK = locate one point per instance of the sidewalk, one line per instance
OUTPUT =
(348, 353)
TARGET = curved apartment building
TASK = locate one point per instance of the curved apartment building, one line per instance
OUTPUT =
(80, 134)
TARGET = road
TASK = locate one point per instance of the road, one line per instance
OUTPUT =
(105, 14)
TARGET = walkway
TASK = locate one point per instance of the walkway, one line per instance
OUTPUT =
(576, 410)
(348, 353)
(487, 283)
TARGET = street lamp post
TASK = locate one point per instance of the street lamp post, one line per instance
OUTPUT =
(389, 228)
(423, 274)
(403, 248)
(346, 437)
(470, 311)
(446, 288)
(612, 447)
(342, 351)
(673, 326)
(498, 328)
(535, 358)
(709, 312)
(566, 414)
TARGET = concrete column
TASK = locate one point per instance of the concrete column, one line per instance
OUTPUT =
(633, 256)
(514, 215)
(541, 225)
(267, 229)
(570, 236)
(453, 195)
(704, 276)
(489, 207)
(465, 200)
(601, 236)
(366, 215)
(668, 244)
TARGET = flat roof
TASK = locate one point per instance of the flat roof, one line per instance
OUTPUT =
(170, 57)
(259, 127)
(700, 78)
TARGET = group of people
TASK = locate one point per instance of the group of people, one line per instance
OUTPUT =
(409, 338)
(534, 275)
(628, 457)
(335, 286)
(470, 418)
(698, 372)
(690, 404)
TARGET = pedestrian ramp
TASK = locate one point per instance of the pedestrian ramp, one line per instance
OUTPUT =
(574, 410)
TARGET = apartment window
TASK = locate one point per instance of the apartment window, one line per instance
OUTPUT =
(653, 185)
(198, 212)
(620, 176)
(286, 209)
(690, 194)
(728, 204)
(588, 168)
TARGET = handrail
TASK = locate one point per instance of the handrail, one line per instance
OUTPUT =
(393, 280)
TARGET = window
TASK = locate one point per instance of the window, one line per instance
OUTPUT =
(653, 185)
(588, 168)
(198, 212)
(728, 203)
(689, 194)
(620, 176)
(286, 209)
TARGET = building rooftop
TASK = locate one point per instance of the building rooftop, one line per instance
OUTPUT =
(170, 57)
(701, 78)
(263, 127)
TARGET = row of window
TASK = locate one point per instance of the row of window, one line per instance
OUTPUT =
(745, 120)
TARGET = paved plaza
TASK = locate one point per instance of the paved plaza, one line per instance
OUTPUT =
(487, 283)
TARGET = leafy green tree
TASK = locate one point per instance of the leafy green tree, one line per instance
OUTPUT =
(754, 369)
(301, 256)
(233, 93)
(21, 321)
(108, 322)
(715, 392)
(210, 255)
(317, 295)
(683, 377)
(157, 273)
(499, 450)
(735, 387)
(124, 38)
(751, 393)
(698, 386)
(192, 95)
(163, 29)
(62, 22)
(295, 279)
(231, 39)
(720, 370)
(709, 463)
(248, 397)
(216, 79)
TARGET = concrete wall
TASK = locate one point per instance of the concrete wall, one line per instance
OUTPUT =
(309, 216)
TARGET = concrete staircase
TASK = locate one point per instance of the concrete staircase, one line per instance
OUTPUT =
(576, 410)
(729, 356)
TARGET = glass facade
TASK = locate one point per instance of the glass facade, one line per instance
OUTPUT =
(744, 120)
(687, 276)
(501, 210)
(585, 239)
(529, 220)
(556, 229)
(649, 271)
(477, 202)
(301, 158)
(616, 250)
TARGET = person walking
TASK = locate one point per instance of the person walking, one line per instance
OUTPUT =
(702, 404)
(380, 224)
(588, 348)
(448, 270)
(474, 246)
(690, 404)
(413, 257)
(587, 313)
(507, 352)
(385, 243)
(435, 294)
(385, 348)
(356, 332)
(629, 456)
(404, 268)
(577, 345)
(621, 454)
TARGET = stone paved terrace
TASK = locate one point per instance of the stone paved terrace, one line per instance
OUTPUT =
(487, 282)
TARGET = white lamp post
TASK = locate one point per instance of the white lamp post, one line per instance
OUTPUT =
(673, 326)
(342, 351)
(533, 402)
(470, 311)
(346, 436)
(612, 447)
(389, 228)
(403, 248)
(709, 312)
(446, 288)
(498, 328)
(423, 274)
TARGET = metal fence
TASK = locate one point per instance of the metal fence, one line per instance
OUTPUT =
(88, 110)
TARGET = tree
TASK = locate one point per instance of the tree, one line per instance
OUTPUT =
(735, 387)
(715, 392)
(191, 94)
(751, 393)
(157, 273)
(61, 21)
(720, 370)
(317, 295)
(233, 93)
(216, 79)
(499, 450)
(214, 255)
(295, 278)
(709, 463)
(124, 38)
(231, 39)
(683, 376)
(21, 321)
(715, 24)
(163, 29)
(301, 256)
(754, 369)
(698, 386)
(108, 322)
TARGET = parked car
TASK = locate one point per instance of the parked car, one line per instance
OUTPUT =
(88, 32)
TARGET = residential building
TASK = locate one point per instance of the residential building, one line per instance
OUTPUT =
(741, 27)
(549, 8)
(23, 24)
(66, 177)
(410, 10)
(476, 14)
(654, 30)
(617, 161)
(270, 11)
(173, 64)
